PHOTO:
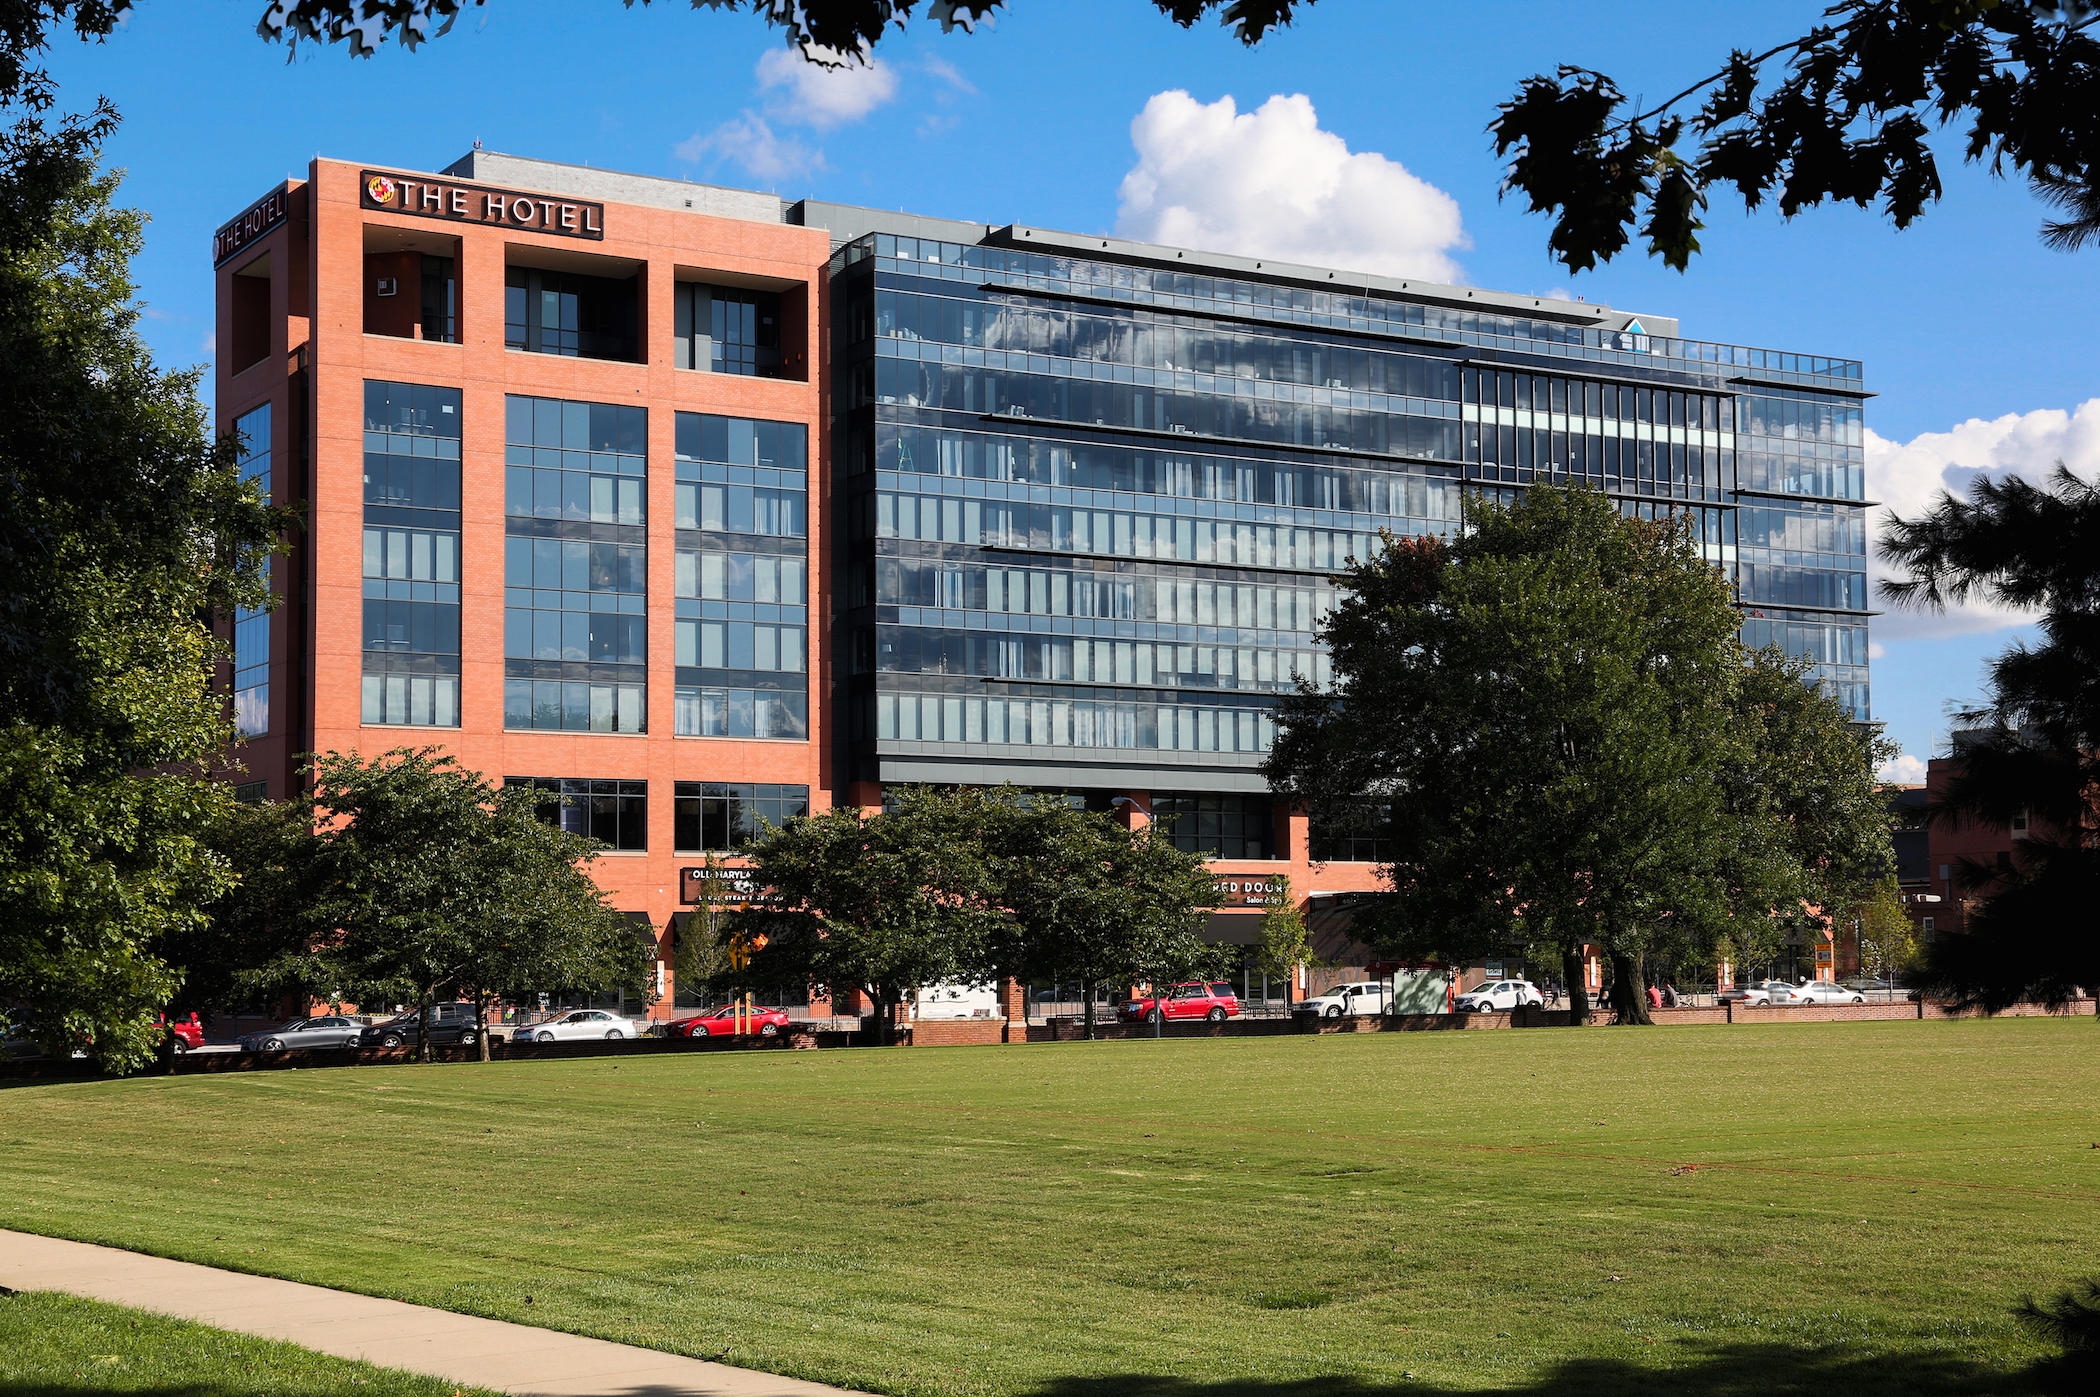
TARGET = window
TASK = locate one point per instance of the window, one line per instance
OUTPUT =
(410, 293)
(701, 710)
(569, 313)
(728, 329)
(1222, 826)
(615, 813)
(251, 792)
(1925, 925)
(721, 817)
(741, 578)
(251, 627)
(411, 552)
(1357, 837)
(2019, 821)
(575, 565)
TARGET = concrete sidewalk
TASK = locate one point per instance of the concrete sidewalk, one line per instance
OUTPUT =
(518, 1358)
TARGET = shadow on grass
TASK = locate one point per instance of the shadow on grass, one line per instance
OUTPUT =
(1750, 1370)
(1744, 1370)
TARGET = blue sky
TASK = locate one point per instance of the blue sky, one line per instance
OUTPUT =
(1979, 341)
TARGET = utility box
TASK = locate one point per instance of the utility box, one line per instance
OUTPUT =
(1421, 990)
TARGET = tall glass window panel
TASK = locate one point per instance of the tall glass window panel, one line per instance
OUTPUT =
(741, 578)
(575, 565)
(251, 626)
(728, 329)
(411, 556)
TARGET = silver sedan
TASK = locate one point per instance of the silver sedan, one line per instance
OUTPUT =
(327, 1031)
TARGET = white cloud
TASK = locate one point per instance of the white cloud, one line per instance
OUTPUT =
(811, 94)
(1902, 771)
(1271, 183)
(948, 73)
(211, 343)
(749, 142)
(1907, 477)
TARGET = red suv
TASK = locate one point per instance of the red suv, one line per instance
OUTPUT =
(1195, 1000)
(183, 1034)
(721, 1023)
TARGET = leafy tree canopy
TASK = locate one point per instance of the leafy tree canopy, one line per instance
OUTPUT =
(1845, 112)
(826, 29)
(2033, 747)
(1571, 746)
(121, 522)
(883, 903)
(429, 881)
(1091, 901)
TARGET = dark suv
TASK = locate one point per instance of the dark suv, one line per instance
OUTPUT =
(456, 1022)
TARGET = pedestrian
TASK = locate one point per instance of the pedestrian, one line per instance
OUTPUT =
(1655, 999)
(1669, 995)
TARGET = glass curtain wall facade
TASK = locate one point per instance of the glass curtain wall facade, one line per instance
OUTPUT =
(411, 555)
(251, 628)
(742, 578)
(1093, 506)
(575, 565)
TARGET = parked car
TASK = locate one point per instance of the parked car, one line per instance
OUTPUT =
(326, 1031)
(183, 1034)
(1498, 994)
(1361, 997)
(722, 1022)
(1826, 992)
(1761, 992)
(456, 1022)
(579, 1023)
(1195, 1000)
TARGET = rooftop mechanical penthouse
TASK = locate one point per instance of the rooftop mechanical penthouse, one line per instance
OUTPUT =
(692, 505)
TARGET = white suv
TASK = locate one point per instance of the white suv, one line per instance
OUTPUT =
(1498, 994)
(1361, 997)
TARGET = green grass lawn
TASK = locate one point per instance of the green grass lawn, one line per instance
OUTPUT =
(1846, 1208)
(56, 1345)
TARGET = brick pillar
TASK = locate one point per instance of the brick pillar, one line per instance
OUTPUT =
(1132, 809)
(1013, 1002)
(865, 794)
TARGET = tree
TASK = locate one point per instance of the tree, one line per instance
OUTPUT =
(825, 29)
(1283, 942)
(1848, 119)
(700, 958)
(121, 523)
(552, 927)
(1089, 900)
(1887, 940)
(1798, 769)
(1573, 746)
(228, 958)
(430, 880)
(2033, 746)
(884, 902)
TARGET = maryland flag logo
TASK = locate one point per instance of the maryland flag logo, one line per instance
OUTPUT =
(381, 189)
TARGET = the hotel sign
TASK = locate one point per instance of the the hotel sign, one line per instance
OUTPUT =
(259, 218)
(472, 203)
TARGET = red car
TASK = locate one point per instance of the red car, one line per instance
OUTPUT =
(1195, 1000)
(184, 1034)
(722, 1023)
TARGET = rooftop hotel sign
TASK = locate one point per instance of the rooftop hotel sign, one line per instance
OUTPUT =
(472, 203)
(257, 219)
